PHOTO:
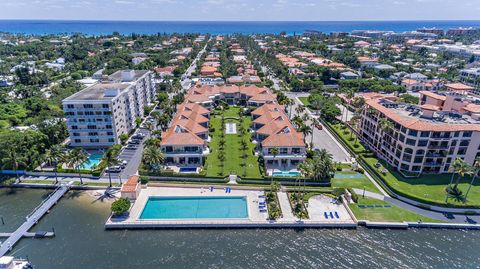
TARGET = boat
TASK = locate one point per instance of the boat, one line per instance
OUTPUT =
(9, 262)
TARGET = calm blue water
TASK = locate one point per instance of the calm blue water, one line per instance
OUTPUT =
(195, 208)
(219, 27)
(92, 161)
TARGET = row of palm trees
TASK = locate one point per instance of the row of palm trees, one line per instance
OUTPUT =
(58, 154)
(459, 170)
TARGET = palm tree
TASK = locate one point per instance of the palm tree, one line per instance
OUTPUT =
(110, 159)
(300, 109)
(274, 152)
(385, 124)
(54, 155)
(459, 167)
(75, 158)
(15, 158)
(476, 170)
(153, 158)
(306, 130)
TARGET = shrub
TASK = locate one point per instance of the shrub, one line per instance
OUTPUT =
(120, 206)
(337, 192)
(360, 170)
(354, 195)
(144, 179)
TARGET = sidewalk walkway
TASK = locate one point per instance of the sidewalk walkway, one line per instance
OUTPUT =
(285, 206)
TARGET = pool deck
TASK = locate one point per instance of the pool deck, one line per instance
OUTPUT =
(255, 219)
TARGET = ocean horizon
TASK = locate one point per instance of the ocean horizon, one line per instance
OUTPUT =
(104, 27)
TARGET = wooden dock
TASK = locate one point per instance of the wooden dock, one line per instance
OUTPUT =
(33, 218)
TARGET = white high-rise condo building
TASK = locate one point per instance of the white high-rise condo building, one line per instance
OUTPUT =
(99, 114)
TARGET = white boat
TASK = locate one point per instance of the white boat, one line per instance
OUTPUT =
(9, 262)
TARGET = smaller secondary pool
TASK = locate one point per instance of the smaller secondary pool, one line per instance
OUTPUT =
(286, 174)
(349, 176)
(195, 207)
(188, 170)
(92, 161)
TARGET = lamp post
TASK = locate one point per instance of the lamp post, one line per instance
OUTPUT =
(363, 196)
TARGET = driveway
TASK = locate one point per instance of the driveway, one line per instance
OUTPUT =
(321, 138)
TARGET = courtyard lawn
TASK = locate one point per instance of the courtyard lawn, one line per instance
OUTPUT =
(427, 188)
(233, 153)
(358, 183)
(347, 137)
(385, 214)
(305, 101)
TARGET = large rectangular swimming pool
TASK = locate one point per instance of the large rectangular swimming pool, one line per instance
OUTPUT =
(195, 207)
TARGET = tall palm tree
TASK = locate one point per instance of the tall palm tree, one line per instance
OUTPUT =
(459, 167)
(111, 159)
(153, 158)
(15, 159)
(476, 170)
(53, 156)
(300, 109)
(306, 130)
(75, 158)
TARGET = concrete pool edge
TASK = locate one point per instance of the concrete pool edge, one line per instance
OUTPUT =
(244, 198)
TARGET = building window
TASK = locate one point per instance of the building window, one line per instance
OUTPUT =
(425, 134)
(411, 142)
(87, 106)
(70, 106)
(105, 105)
(74, 127)
(78, 140)
(412, 133)
(422, 143)
(464, 143)
(467, 134)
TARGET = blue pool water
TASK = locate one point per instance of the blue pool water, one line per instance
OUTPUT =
(195, 207)
(286, 174)
(92, 161)
(349, 176)
(188, 170)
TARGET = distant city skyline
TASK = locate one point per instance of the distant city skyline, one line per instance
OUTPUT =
(241, 10)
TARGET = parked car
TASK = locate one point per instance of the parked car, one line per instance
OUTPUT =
(114, 169)
(319, 126)
(134, 142)
(131, 147)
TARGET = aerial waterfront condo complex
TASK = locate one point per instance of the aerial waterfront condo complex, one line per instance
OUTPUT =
(185, 143)
(423, 138)
(99, 114)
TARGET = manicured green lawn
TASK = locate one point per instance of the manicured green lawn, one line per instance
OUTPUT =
(304, 100)
(348, 138)
(358, 183)
(428, 188)
(233, 160)
(386, 214)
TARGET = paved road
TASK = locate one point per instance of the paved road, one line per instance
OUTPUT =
(186, 81)
(321, 138)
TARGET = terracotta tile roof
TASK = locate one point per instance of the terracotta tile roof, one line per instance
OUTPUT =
(419, 124)
(131, 184)
(177, 135)
(473, 108)
(430, 107)
(293, 139)
(458, 87)
(434, 95)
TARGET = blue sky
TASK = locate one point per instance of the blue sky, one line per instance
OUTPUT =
(310, 10)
